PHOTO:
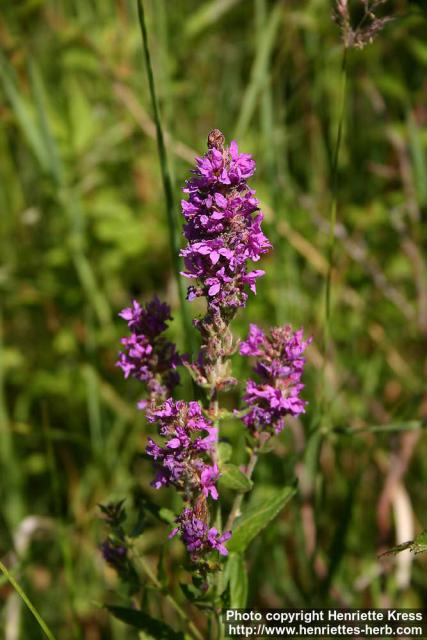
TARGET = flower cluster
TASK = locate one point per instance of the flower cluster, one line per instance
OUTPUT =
(279, 366)
(148, 356)
(114, 554)
(221, 231)
(197, 536)
(185, 461)
(114, 548)
(188, 437)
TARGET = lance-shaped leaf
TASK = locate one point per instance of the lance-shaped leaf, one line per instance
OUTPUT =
(224, 452)
(256, 518)
(144, 622)
(238, 581)
(419, 545)
(232, 478)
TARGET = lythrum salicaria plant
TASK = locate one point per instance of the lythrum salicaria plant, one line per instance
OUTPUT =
(223, 231)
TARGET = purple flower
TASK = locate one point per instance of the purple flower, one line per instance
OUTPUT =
(197, 536)
(208, 477)
(254, 343)
(221, 230)
(151, 320)
(114, 553)
(279, 365)
(184, 458)
(147, 355)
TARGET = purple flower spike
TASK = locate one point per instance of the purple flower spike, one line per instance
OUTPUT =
(190, 440)
(147, 355)
(221, 230)
(279, 365)
(197, 536)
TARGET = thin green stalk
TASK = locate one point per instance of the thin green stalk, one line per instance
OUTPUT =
(333, 209)
(63, 541)
(260, 69)
(166, 179)
(218, 633)
(332, 240)
(175, 605)
(43, 626)
(68, 199)
(13, 500)
(235, 508)
(318, 427)
(284, 263)
(314, 444)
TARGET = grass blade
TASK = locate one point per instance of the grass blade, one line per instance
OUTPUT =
(24, 115)
(166, 179)
(285, 274)
(42, 624)
(259, 71)
(207, 14)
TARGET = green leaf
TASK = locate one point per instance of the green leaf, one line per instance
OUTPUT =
(259, 71)
(409, 425)
(167, 515)
(161, 513)
(139, 525)
(224, 452)
(24, 114)
(419, 158)
(206, 15)
(43, 111)
(144, 622)
(419, 545)
(256, 518)
(42, 624)
(232, 478)
(161, 568)
(191, 592)
(225, 598)
(84, 128)
(238, 581)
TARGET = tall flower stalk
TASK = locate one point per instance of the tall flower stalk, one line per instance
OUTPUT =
(353, 37)
(224, 238)
(223, 232)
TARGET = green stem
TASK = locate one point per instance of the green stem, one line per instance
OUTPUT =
(43, 626)
(216, 631)
(174, 604)
(333, 209)
(332, 239)
(235, 509)
(314, 444)
(166, 179)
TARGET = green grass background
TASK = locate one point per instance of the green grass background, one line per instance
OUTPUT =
(84, 229)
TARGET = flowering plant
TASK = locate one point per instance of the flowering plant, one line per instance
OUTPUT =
(224, 235)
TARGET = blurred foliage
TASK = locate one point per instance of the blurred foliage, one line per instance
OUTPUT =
(83, 230)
